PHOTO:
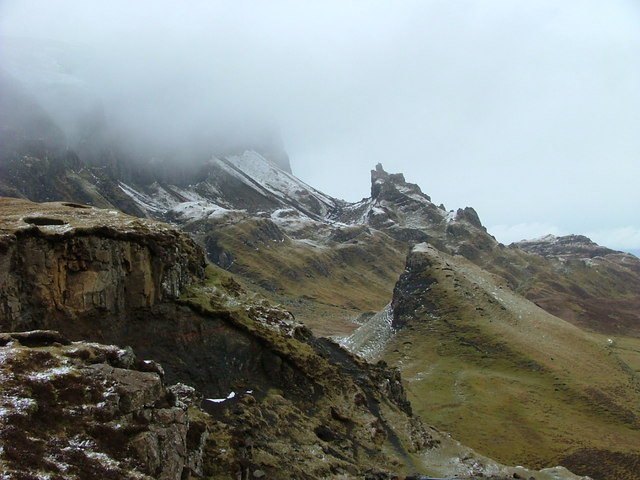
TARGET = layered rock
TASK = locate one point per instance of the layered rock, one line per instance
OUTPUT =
(63, 261)
(281, 401)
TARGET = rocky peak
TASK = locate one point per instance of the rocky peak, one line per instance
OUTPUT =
(389, 185)
(565, 247)
(470, 215)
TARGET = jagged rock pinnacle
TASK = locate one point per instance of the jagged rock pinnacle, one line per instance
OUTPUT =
(382, 182)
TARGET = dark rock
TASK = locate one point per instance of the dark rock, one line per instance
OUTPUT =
(39, 338)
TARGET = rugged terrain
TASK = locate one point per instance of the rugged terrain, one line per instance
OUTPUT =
(595, 287)
(277, 400)
(328, 260)
(469, 346)
(334, 265)
(79, 410)
(552, 324)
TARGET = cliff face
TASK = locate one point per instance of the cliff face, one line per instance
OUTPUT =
(279, 401)
(62, 261)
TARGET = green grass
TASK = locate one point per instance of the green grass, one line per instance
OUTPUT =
(516, 383)
(326, 288)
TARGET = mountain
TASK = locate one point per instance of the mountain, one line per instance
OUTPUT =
(552, 325)
(535, 387)
(596, 287)
(277, 400)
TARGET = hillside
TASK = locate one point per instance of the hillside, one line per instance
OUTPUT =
(328, 260)
(277, 400)
(551, 324)
(534, 387)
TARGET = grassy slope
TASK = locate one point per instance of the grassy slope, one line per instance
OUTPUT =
(603, 296)
(516, 383)
(326, 288)
(445, 457)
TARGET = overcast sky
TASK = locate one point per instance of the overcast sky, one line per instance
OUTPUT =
(526, 110)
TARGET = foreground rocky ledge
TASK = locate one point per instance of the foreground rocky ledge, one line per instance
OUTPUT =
(63, 260)
(74, 410)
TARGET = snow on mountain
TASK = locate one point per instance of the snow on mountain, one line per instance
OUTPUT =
(257, 170)
(247, 183)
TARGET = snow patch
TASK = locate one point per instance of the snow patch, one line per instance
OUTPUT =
(262, 174)
(198, 210)
(422, 248)
(228, 397)
(143, 201)
(20, 405)
(369, 340)
(51, 373)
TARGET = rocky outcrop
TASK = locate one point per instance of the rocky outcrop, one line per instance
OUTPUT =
(569, 247)
(281, 402)
(62, 261)
(77, 410)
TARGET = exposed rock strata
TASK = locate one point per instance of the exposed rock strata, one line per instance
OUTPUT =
(281, 400)
(64, 260)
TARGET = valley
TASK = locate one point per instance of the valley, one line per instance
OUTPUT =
(478, 358)
(527, 353)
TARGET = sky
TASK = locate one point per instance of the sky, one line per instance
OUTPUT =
(528, 111)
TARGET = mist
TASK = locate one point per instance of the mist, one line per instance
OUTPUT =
(527, 111)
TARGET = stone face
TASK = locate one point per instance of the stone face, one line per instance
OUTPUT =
(74, 260)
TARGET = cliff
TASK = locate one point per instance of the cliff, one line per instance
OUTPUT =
(278, 400)
(61, 261)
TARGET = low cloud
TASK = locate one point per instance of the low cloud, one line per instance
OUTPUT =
(624, 238)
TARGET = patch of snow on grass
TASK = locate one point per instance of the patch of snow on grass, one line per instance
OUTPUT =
(103, 458)
(12, 404)
(199, 210)
(369, 340)
(51, 373)
(422, 248)
(311, 243)
(56, 228)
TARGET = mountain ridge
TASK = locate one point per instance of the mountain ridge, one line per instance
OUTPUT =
(449, 307)
(299, 405)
